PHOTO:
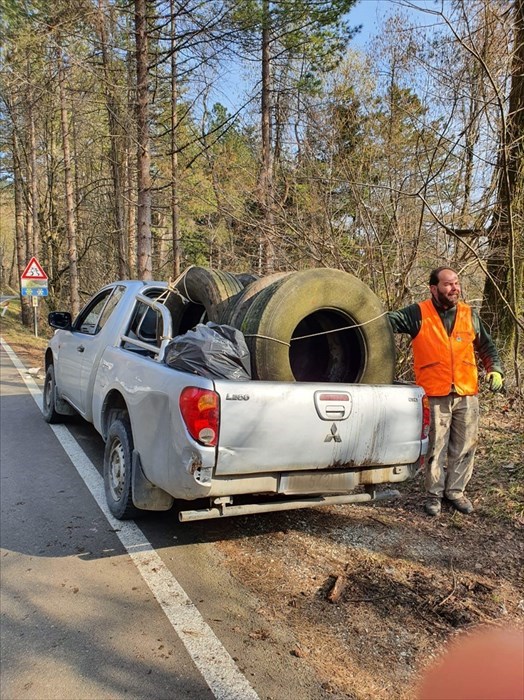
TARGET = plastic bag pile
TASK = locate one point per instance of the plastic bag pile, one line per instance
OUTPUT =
(210, 350)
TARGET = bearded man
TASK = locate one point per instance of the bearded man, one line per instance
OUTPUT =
(447, 335)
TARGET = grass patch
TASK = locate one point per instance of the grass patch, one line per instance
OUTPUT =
(506, 502)
(22, 339)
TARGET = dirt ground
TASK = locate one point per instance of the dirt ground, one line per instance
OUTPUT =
(408, 583)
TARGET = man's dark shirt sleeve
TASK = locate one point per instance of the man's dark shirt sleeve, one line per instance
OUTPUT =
(485, 347)
(407, 320)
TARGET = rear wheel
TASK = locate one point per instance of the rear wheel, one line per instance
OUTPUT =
(118, 470)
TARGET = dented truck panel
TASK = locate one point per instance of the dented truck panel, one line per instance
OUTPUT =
(279, 427)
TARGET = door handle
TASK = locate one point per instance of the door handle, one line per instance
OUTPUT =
(80, 348)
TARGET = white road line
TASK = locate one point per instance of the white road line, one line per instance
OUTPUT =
(207, 652)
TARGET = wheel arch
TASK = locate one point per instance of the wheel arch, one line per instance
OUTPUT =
(114, 406)
(48, 359)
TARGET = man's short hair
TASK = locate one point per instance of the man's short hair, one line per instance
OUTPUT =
(434, 274)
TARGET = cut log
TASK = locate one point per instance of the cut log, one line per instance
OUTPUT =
(337, 589)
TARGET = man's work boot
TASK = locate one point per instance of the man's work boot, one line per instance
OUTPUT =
(433, 506)
(462, 504)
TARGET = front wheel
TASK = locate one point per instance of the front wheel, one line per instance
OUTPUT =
(49, 398)
(118, 470)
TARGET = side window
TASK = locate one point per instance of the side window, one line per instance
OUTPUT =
(145, 323)
(118, 293)
(87, 320)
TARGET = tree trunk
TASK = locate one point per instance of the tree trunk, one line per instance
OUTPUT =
(115, 156)
(143, 146)
(33, 183)
(503, 287)
(131, 210)
(266, 261)
(72, 253)
(175, 233)
(21, 248)
(130, 169)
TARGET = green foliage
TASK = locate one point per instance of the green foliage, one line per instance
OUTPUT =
(314, 32)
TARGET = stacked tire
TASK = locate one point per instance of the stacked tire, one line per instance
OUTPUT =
(318, 325)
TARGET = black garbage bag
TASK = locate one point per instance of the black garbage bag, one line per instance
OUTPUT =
(210, 350)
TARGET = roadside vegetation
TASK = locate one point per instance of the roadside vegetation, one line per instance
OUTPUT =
(21, 338)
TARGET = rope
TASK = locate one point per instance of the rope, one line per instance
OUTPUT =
(313, 335)
(267, 337)
(182, 277)
(172, 288)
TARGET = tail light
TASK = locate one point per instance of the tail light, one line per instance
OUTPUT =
(425, 417)
(200, 410)
(425, 428)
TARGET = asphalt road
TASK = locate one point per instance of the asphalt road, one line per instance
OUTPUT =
(93, 608)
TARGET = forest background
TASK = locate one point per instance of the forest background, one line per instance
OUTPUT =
(138, 138)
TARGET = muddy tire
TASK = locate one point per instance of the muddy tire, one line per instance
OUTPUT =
(207, 293)
(307, 327)
(177, 307)
(118, 470)
(233, 314)
(246, 278)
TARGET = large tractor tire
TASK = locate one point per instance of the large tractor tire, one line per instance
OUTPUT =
(238, 305)
(318, 325)
(207, 292)
(245, 278)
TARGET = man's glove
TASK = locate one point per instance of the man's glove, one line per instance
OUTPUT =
(495, 381)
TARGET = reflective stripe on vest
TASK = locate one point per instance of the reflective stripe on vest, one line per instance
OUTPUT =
(445, 363)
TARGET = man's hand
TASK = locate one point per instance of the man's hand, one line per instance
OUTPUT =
(495, 381)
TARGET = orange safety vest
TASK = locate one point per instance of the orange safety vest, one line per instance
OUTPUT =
(445, 363)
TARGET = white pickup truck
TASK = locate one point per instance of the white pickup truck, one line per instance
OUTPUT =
(242, 446)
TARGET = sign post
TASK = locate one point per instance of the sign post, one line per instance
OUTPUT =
(34, 284)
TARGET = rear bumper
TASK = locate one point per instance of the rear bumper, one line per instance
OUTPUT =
(309, 483)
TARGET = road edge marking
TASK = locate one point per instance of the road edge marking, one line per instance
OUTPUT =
(209, 655)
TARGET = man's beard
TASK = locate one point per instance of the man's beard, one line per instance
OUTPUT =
(447, 302)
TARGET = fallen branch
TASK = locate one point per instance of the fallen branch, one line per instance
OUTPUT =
(445, 600)
(378, 520)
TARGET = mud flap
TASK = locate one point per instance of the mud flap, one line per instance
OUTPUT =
(63, 408)
(146, 495)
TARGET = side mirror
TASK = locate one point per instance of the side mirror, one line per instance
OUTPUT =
(60, 319)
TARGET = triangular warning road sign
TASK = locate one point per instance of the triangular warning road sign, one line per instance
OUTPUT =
(34, 271)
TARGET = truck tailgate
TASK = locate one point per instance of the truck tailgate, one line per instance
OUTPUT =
(272, 426)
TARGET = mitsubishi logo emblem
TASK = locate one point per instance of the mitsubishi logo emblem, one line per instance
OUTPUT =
(333, 435)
